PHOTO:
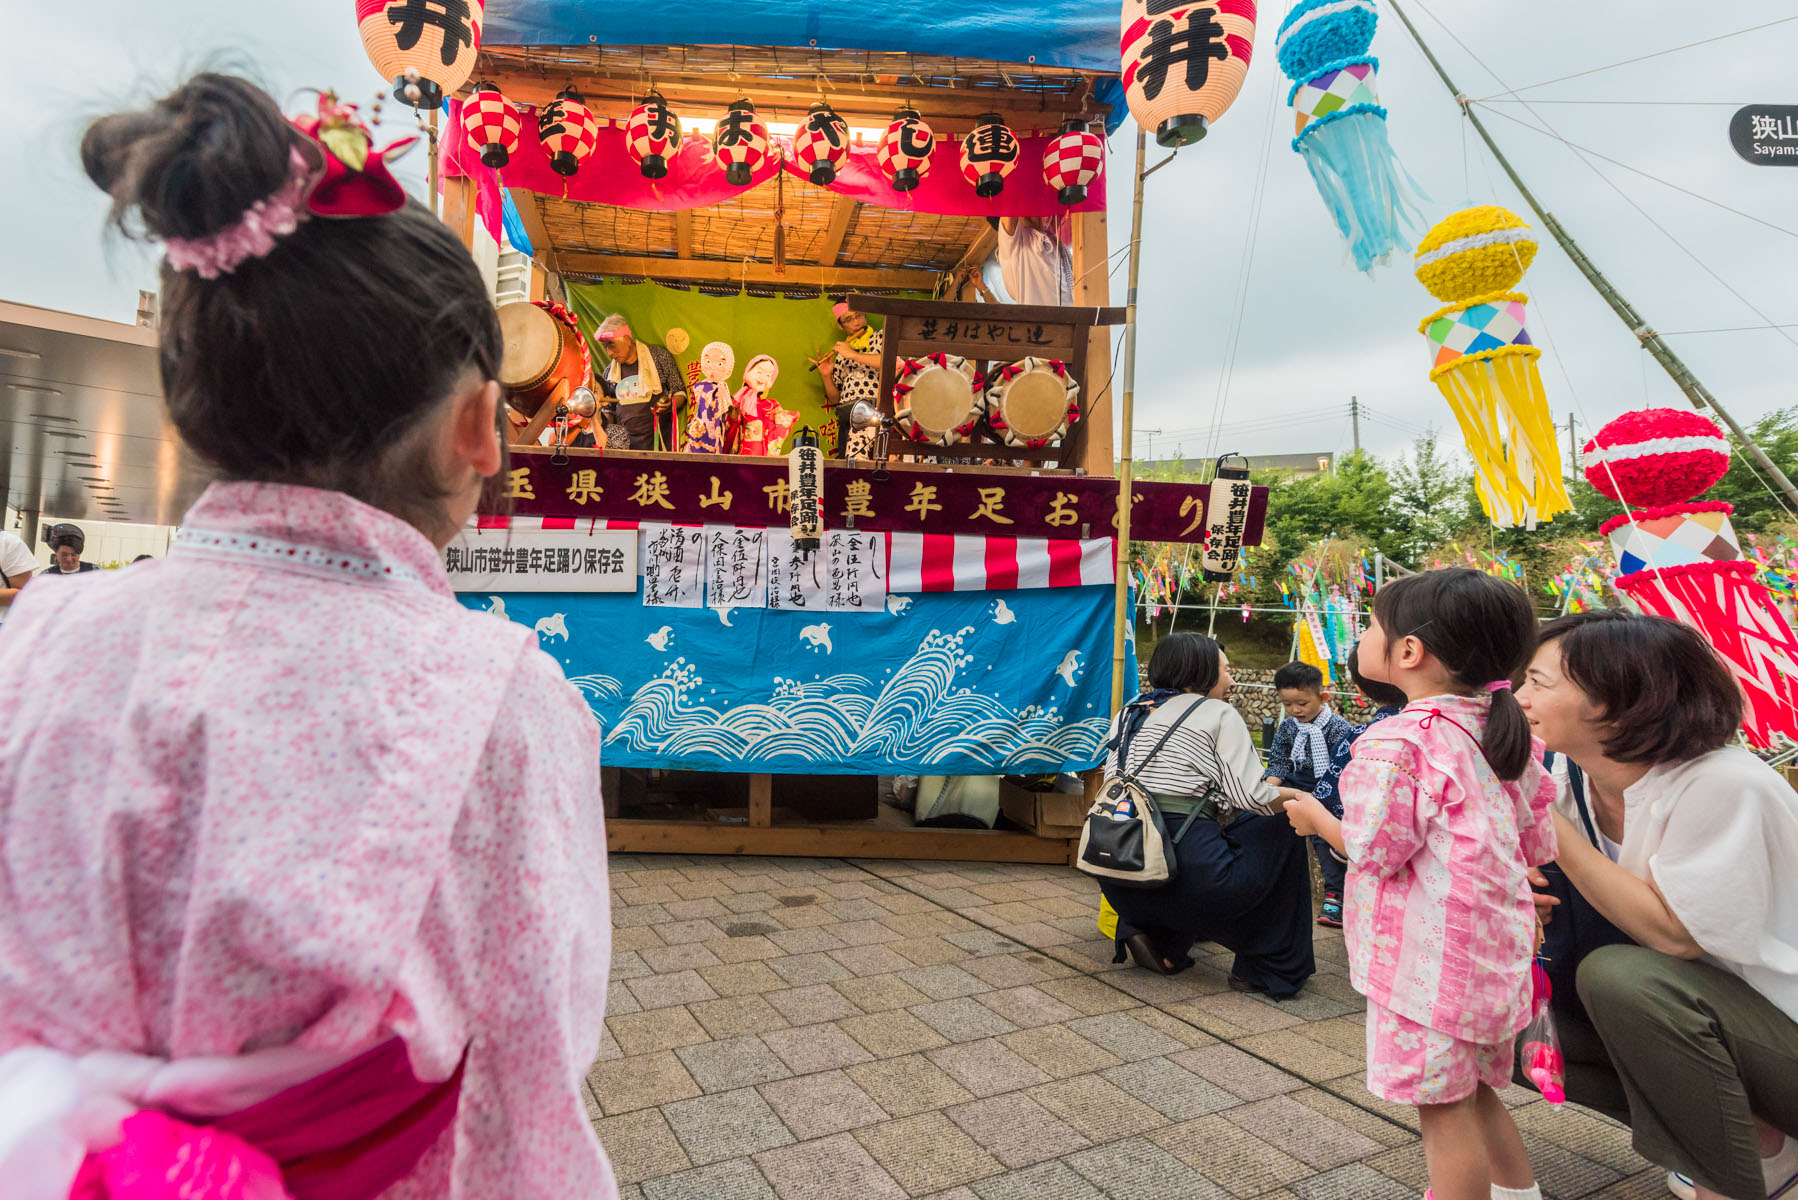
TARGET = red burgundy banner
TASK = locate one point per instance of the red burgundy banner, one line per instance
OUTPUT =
(705, 490)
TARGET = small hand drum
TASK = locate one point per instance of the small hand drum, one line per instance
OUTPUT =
(1032, 403)
(934, 398)
(539, 353)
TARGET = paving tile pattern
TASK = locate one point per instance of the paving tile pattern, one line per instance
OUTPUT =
(817, 1029)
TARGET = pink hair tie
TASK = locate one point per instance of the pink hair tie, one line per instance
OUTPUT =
(1499, 685)
(254, 233)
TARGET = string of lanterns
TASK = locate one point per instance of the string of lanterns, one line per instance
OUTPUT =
(989, 153)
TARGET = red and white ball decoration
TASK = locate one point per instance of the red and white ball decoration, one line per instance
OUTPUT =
(652, 136)
(988, 154)
(568, 130)
(904, 154)
(821, 144)
(1072, 161)
(741, 143)
(491, 124)
(1656, 456)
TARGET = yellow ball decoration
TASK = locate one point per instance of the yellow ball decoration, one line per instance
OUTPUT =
(1475, 252)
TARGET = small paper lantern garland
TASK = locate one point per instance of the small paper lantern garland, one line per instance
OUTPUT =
(740, 143)
(822, 143)
(568, 130)
(988, 154)
(904, 154)
(491, 124)
(1072, 161)
(652, 136)
(426, 50)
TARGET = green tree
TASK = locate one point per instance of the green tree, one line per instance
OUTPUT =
(1757, 504)
(1430, 501)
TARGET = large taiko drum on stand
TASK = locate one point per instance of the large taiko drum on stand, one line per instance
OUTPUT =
(935, 398)
(540, 353)
(1031, 403)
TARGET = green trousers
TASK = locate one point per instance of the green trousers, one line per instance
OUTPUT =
(1687, 1055)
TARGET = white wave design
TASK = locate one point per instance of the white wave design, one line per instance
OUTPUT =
(919, 716)
(603, 686)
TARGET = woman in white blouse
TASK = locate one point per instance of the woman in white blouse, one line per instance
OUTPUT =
(1696, 860)
(1244, 880)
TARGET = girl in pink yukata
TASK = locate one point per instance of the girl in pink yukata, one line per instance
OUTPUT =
(305, 883)
(1445, 809)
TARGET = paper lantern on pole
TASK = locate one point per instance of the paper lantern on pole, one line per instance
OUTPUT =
(988, 154)
(568, 130)
(805, 491)
(741, 143)
(1680, 558)
(1226, 518)
(1072, 161)
(426, 48)
(491, 124)
(822, 143)
(1183, 66)
(904, 154)
(652, 136)
(1340, 126)
(1483, 363)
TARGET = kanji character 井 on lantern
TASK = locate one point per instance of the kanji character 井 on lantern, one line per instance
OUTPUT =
(426, 48)
(1183, 65)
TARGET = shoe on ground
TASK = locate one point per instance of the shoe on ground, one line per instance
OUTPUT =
(1680, 1186)
(1239, 984)
(1780, 1171)
(1331, 917)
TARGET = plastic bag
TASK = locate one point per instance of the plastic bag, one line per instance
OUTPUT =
(1539, 1049)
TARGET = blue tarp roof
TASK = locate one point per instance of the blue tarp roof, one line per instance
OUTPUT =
(1059, 33)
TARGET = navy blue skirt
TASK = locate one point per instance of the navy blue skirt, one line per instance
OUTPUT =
(1246, 887)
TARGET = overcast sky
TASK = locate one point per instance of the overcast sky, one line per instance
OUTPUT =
(1307, 331)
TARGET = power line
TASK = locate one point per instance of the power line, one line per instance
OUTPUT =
(1730, 329)
(1639, 58)
(1626, 103)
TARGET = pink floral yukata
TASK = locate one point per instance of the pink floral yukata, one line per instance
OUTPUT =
(1439, 921)
(280, 788)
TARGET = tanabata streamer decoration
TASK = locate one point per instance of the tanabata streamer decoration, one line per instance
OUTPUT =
(491, 124)
(988, 154)
(1340, 126)
(741, 143)
(1483, 363)
(821, 144)
(805, 491)
(568, 131)
(1073, 160)
(652, 136)
(1680, 557)
(905, 147)
(426, 48)
(1184, 64)
(1226, 515)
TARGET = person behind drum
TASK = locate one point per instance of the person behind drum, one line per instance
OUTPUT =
(650, 420)
(1036, 261)
(765, 422)
(851, 374)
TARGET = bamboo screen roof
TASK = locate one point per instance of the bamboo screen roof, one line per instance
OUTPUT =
(865, 87)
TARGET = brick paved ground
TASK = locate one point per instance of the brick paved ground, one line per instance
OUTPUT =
(829, 1030)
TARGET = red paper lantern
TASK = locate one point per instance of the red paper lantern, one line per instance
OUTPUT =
(568, 130)
(491, 124)
(652, 136)
(904, 154)
(1656, 456)
(988, 154)
(426, 48)
(822, 143)
(1072, 161)
(1182, 67)
(741, 143)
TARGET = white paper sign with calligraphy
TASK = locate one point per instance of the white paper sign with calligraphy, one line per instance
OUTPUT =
(857, 571)
(542, 560)
(736, 567)
(795, 582)
(673, 565)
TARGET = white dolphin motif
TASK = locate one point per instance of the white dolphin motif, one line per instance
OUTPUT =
(498, 608)
(898, 604)
(553, 626)
(817, 635)
(1003, 615)
(1069, 668)
(661, 637)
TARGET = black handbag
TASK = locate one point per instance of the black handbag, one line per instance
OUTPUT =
(1576, 927)
(1125, 837)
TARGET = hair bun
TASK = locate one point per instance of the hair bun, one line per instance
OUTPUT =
(193, 161)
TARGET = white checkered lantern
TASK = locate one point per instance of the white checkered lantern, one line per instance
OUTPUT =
(822, 144)
(652, 136)
(491, 124)
(1072, 161)
(568, 130)
(904, 154)
(988, 154)
(741, 143)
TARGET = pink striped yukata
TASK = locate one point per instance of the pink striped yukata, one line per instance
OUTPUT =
(1437, 913)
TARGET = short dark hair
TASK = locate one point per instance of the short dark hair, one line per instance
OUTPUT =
(1482, 630)
(1185, 660)
(1384, 695)
(1300, 675)
(1659, 682)
(318, 363)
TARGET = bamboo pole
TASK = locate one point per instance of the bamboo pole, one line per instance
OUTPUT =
(1126, 476)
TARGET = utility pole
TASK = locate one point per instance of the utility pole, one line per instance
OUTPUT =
(1355, 420)
(1126, 468)
(1651, 341)
(1572, 448)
